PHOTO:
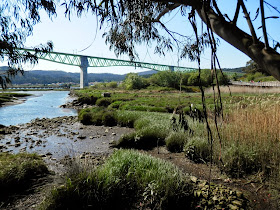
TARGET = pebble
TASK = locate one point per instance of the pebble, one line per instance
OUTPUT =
(81, 137)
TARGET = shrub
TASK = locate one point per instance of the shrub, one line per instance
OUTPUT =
(127, 118)
(112, 84)
(175, 141)
(133, 81)
(145, 138)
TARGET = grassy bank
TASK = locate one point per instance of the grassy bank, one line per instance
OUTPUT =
(7, 96)
(18, 171)
(132, 180)
(249, 133)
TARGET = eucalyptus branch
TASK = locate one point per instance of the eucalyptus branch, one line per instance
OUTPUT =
(275, 8)
(217, 8)
(236, 13)
(166, 10)
(166, 29)
(266, 44)
(249, 22)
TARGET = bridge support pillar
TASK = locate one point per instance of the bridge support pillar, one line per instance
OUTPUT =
(83, 74)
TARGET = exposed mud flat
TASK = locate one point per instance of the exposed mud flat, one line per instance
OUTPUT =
(59, 138)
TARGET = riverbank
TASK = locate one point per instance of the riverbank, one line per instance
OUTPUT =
(9, 99)
(57, 138)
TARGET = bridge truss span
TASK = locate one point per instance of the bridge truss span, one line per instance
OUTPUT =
(75, 60)
(84, 62)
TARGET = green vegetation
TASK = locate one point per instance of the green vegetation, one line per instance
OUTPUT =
(18, 171)
(247, 146)
(7, 96)
(132, 180)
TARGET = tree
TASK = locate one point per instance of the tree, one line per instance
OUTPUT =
(134, 81)
(17, 19)
(166, 79)
(253, 67)
(137, 21)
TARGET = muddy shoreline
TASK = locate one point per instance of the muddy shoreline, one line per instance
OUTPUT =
(59, 138)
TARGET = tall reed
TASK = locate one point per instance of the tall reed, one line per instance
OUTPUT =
(251, 139)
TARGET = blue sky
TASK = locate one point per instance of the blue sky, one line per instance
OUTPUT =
(79, 33)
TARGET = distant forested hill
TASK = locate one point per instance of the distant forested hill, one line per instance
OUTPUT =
(48, 77)
(237, 70)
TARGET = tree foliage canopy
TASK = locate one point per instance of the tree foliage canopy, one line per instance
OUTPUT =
(17, 19)
(141, 21)
(137, 21)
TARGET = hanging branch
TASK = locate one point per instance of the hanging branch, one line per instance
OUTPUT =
(266, 44)
(236, 15)
(166, 10)
(249, 22)
(217, 8)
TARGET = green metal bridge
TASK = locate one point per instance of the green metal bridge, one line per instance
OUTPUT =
(89, 61)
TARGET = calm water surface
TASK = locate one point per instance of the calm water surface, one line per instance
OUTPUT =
(42, 104)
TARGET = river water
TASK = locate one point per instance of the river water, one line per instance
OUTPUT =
(42, 104)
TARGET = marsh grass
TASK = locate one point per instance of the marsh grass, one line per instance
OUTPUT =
(175, 141)
(246, 89)
(151, 129)
(127, 180)
(8, 96)
(18, 171)
(251, 140)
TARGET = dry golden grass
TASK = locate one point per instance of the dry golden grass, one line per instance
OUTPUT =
(251, 140)
(255, 123)
(244, 89)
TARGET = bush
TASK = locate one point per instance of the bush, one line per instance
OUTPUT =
(175, 141)
(127, 118)
(112, 85)
(134, 82)
(145, 138)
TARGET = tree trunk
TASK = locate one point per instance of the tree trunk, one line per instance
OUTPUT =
(267, 59)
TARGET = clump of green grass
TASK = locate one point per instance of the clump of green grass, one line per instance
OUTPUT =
(175, 141)
(132, 180)
(198, 150)
(127, 180)
(151, 129)
(145, 138)
(128, 118)
(18, 170)
(105, 102)
(8, 96)
(97, 116)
